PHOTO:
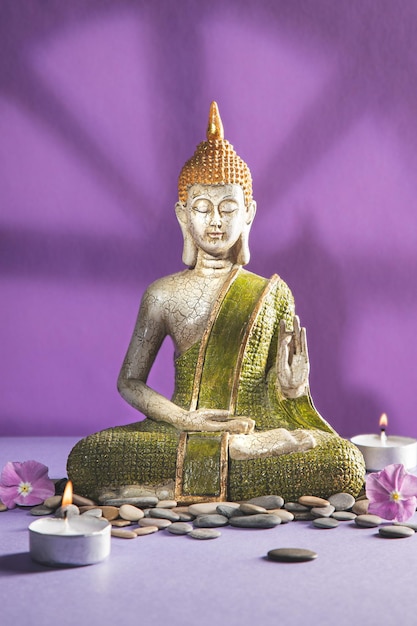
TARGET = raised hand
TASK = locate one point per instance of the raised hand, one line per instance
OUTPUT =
(293, 366)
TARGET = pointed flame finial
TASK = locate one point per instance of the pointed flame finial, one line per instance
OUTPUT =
(215, 126)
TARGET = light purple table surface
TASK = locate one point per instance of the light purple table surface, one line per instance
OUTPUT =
(358, 577)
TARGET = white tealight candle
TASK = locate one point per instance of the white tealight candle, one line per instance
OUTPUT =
(382, 450)
(75, 541)
(69, 539)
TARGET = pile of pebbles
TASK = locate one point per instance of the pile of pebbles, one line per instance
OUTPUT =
(133, 517)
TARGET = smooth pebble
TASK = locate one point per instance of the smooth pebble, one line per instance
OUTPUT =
(268, 502)
(164, 514)
(145, 530)
(296, 507)
(180, 528)
(360, 507)
(312, 501)
(206, 508)
(204, 533)
(291, 555)
(228, 511)
(210, 521)
(130, 512)
(167, 504)
(53, 502)
(325, 522)
(396, 532)
(342, 501)
(322, 511)
(368, 521)
(186, 517)
(40, 509)
(120, 523)
(141, 502)
(109, 512)
(262, 520)
(303, 517)
(3, 507)
(123, 534)
(285, 516)
(344, 516)
(412, 525)
(251, 509)
(159, 523)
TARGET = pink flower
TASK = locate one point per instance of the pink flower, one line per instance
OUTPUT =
(392, 493)
(25, 483)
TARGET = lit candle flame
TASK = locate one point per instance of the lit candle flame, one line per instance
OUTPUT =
(67, 495)
(383, 423)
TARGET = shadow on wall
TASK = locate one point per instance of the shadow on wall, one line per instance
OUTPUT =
(372, 43)
(322, 304)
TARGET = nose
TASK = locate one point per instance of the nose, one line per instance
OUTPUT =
(215, 217)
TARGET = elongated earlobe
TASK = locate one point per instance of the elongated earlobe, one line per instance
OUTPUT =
(242, 246)
(189, 252)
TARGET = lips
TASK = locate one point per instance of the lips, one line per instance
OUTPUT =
(216, 235)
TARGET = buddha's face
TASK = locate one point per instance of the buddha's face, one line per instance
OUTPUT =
(216, 216)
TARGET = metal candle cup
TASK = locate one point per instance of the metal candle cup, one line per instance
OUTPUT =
(69, 542)
(378, 453)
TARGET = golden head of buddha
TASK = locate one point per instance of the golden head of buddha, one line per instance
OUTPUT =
(215, 167)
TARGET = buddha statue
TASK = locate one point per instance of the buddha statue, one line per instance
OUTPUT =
(241, 422)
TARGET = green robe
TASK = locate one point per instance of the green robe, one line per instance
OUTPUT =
(232, 368)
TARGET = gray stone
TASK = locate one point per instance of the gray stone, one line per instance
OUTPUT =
(251, 509)
(322, 511)
(291, 555)
(141, 502)
(368, 521)
(396, 532)
(325, 522)
(210, 521)
(204, 533)
(296, 507)
(412, 525)
(344, 516)
(180, 528)
(262, 520)
(164, 514)
(268, 502)
(312, 501)
(342, 501)
(40, 509)
(228, 511)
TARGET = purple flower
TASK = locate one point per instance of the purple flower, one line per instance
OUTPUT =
(392, 493)
(25, 483)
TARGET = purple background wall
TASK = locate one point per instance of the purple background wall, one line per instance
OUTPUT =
(100, 105)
